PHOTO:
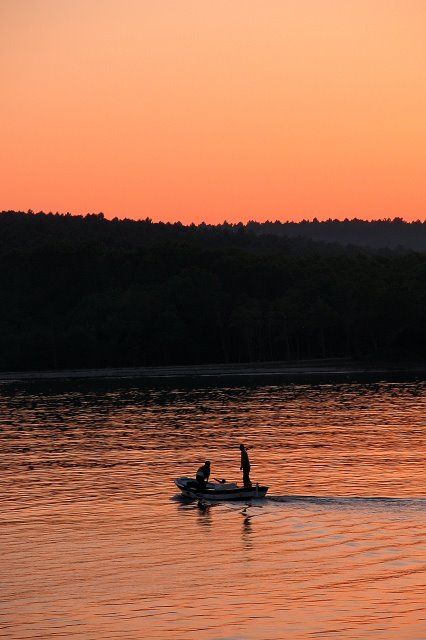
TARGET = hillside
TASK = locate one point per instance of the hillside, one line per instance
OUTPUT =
(87, 292)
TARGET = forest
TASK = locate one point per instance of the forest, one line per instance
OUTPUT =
(84, 291)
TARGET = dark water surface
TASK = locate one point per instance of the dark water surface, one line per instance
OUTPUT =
(95, 544)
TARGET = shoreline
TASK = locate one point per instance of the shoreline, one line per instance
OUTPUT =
(333, 369)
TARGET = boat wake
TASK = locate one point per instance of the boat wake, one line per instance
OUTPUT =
(353, 501)
(336, 502)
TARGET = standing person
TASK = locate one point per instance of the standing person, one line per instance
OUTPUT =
(203, 474)
(245, 465)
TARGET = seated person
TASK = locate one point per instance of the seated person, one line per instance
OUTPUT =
(203, 475)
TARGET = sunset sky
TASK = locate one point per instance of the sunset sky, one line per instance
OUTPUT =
(214, 109)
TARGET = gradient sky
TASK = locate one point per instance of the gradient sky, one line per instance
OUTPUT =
(214, 109)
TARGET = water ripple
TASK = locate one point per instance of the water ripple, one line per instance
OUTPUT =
(95, 544)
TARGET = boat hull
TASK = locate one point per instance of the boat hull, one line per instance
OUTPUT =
(216, 492)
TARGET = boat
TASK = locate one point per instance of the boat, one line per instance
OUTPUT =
(220, 490)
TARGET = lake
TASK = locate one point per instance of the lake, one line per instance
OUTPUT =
(96, 544)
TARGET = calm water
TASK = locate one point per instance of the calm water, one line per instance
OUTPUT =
(95, 544)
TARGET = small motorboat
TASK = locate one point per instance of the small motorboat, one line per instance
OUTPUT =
(219, 490)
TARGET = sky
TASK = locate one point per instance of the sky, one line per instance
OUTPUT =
(209, 110)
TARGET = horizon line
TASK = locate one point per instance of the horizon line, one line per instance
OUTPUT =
(113, 218)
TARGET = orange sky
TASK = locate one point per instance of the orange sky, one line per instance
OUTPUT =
(212, 109)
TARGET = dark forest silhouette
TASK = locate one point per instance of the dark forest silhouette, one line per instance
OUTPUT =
(87, 292)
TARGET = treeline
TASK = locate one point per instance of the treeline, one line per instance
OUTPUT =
(18, 228)
(87, 292)
(393, 234)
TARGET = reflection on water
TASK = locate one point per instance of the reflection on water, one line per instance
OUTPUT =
(95, 543)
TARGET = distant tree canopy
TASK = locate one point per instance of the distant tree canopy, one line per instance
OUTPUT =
(87, 292)
(377, 234)
(18, 228)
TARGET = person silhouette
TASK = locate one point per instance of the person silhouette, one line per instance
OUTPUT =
(203, 475)
(245, 465)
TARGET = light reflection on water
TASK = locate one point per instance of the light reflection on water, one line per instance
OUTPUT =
(95, 543)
